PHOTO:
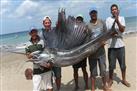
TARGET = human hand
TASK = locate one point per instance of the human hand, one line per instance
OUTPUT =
(116, 16)
(103, 43)
(47, 65)
(29, 56)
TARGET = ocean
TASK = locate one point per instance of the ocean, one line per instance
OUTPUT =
(20, 39)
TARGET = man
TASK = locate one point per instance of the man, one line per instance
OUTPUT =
(116, 48)
(96, 27)
(41, 74)
(82, 64)
(73, 37)
(50, 38)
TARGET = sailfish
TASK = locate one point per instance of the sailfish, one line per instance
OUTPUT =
(64, 57)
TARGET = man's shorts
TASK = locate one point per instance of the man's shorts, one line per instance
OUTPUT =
(81, 64)
(116, 53)
(101, 60)
(57, 72)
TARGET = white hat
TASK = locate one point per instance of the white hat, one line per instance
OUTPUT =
(46, 17)
(79, 15)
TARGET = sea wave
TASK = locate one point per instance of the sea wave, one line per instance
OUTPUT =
(19, 48)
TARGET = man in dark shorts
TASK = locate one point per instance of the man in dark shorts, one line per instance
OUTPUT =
(95, 27)
(82, 64)
(116, 48)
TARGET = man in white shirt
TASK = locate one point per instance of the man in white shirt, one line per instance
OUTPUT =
(116, 48)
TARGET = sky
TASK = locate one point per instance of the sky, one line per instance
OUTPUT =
(22, 15)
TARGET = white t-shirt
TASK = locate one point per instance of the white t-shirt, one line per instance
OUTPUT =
(117, 41)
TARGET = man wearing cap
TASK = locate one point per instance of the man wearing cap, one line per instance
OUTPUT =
(41, 74)
(116, 48)
(50, 37)
(83, 63)
(97, 26)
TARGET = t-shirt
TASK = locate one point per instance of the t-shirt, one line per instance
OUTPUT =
(94, 31)
(116, 41)
(32, 47)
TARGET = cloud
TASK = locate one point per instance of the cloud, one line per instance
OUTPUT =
(4, 5)
(31, 12)
(76, 7)
(3, 11)
(72, 7)
(35, 8)
(26, 8)
(132, 6)
(29, 17)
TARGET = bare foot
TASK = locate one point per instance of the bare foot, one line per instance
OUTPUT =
(110, 83)
(109, 89)
(105, 88)
(125, 83)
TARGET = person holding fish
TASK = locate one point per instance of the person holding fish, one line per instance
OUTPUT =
(41, 73)
(82, 64)
(50, 37)
(116, 49)
(97, 26)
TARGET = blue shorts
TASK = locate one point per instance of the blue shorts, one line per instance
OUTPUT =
(101, 60)
(116, 53)
(57, 72)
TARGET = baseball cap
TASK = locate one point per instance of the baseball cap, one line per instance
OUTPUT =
(33, 30)
(93, 9)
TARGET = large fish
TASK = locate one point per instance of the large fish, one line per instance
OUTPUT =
(64, 58)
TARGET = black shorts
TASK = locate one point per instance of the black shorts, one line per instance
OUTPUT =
(40, 71)
(101, 61)
(57, 72)
(81, 64)
(116, 54)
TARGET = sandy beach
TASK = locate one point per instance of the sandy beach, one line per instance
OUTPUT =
(12, 68)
